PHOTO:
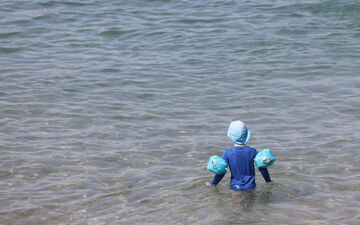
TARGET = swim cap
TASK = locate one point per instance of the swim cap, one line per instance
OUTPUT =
(217, 165)
(238, 132)
(264, 159)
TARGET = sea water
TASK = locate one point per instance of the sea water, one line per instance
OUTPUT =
(109, 110)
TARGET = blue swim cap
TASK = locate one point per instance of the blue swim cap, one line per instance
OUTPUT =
(217, 165)
(238, 132)
(264, 159)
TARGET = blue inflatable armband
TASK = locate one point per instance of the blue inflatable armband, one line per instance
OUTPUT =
(217, 165)
(264, 159)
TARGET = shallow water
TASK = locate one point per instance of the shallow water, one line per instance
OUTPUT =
(109, 110)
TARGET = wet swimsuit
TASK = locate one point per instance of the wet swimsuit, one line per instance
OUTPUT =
(241, 164)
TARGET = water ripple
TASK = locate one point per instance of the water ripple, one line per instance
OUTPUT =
(109, 110)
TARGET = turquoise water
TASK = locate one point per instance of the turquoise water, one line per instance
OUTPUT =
(109, 110)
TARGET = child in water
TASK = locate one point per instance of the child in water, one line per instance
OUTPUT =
(240, 159)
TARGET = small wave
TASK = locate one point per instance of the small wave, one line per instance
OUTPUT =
(66, 3)
(10, 34)
(115, 32)
(196, 20)
(5, 50)
(110, 70)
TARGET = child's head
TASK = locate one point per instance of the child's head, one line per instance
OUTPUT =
(238, 132)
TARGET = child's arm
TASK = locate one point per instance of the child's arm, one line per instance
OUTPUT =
(265, 173)
(217, 178)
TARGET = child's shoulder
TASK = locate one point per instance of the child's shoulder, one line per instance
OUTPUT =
(252, 148)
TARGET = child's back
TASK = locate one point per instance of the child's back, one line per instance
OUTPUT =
(241, 164)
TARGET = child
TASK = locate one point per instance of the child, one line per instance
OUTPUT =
(240, 159)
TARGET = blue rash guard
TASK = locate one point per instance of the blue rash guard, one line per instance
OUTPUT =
(241, 164)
